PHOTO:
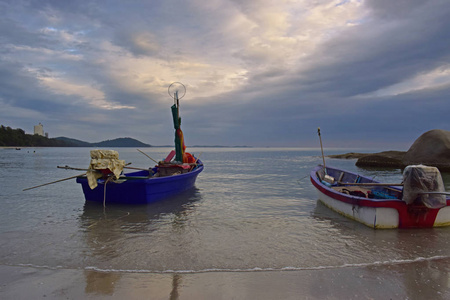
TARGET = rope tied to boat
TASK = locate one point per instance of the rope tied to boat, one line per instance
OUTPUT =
(110, 178)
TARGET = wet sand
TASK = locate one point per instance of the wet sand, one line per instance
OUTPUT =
(423, 279)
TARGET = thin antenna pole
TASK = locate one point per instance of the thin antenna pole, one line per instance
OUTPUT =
(146, 155)
(177, 103)
(321, 148)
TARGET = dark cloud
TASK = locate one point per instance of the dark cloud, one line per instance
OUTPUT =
(14, 33)
(400, 9)
(378, 54)
(72, 65)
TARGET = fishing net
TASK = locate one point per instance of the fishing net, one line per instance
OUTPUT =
(105, 161)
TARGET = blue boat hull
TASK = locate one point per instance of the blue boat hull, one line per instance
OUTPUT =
(140, 191)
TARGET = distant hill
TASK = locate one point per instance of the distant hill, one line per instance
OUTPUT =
(10, 137)
(119, 142)
(18, 138)
(73, 142)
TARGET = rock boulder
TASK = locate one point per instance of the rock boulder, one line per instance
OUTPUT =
(432, 149)
(386, 159)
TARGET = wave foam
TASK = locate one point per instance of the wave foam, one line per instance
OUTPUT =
(258, 269)
(255, 269)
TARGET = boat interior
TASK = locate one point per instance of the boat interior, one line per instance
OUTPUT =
(356, 185)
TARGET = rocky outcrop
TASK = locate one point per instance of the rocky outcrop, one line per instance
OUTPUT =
(391, 159)
(350, 155)
(381, 159)
(432, 149)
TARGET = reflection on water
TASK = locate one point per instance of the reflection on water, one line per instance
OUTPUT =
(431, 278)
(422, 255)
(419, 279)
(137, 218)
(101, 282)
(249, 212)
(176, 283)
(112, 233)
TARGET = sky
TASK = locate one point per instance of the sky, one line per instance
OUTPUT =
(262, 73)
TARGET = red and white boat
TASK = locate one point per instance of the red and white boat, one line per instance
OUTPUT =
(420, 201)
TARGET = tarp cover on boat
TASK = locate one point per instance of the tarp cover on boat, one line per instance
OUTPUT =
(419, 179)
(103, 160)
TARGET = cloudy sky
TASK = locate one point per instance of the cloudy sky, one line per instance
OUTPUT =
(257, 72)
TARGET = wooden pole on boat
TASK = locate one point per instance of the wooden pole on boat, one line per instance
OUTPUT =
(441, 193)
(81, 169)
(195, 163)
(369, 184)
(198, 157)
(321, 148)
(133, 168)
(146, 155)
(78, 169)
(71, 177)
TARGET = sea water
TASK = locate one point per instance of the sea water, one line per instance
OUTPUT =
(252, 209)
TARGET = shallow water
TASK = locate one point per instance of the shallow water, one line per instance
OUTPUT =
(252, 209)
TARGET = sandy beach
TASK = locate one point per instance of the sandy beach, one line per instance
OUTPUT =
(408, 280)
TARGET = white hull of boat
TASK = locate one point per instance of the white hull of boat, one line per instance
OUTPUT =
(375, 217)
(375, 212)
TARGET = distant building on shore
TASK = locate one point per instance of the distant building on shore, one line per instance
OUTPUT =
(39, 130)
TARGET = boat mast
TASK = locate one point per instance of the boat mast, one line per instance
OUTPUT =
(177, 90)
(321, 148)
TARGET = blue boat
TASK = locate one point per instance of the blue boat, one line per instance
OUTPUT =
(105, 181)
(141, 187)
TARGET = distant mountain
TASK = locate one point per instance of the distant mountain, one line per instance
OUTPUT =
(10, 137)
(73, 142)
(119, 142)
